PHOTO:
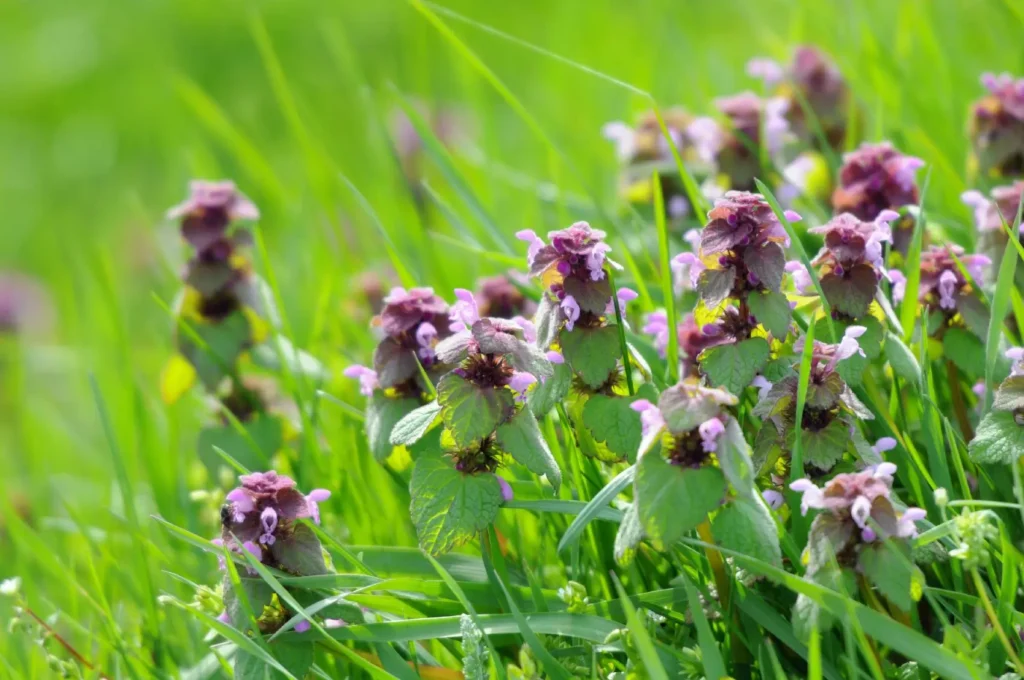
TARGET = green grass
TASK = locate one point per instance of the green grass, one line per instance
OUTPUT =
(108, 110)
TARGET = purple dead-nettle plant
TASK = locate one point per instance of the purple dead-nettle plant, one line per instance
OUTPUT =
(481, 405)
(261, 516)
(997, 127)
(1000, 434)
(851, 263)
(750, 124)
(861, 531)
(499, 296)
(831, 411)
(990, 213)
(874, 178)
(691, 454)
(688, 420)
(811, 79)
(949, 296)
(693, 339)
(220, 303)
(642, 148)
(410, 325)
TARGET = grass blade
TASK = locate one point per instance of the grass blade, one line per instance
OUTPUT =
(595, 506)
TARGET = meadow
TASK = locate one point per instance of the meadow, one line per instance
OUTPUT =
(416, 144)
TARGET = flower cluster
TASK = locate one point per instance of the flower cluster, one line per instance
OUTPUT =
(1002, 206)
(499, 297)
(260, 517)
(691, 418)
(643, 147)
(997, 126)
(215, 271)
(829, 407)
(810, 79)
(874, 178)
(741, 248)
(693, 338)
(858, 509)
(412, 322)
(572, 268)
(751, 122)
(851, 262)
(943, 286)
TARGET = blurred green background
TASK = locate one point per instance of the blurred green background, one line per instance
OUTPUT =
(108, 109)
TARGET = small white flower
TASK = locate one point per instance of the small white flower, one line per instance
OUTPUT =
(10, 587)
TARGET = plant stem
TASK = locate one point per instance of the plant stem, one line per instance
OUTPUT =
(63, 643)
(983, 594)
(958, 401)
(740, 655)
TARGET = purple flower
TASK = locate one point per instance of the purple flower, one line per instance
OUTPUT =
(506, 489)
(464, 313)
(943, 285)
(686, 270)
(530, 236)
(884, 444)
(529, 330)
(571, 311)
(767, 70)
(519, 383)
(707, 137)
(656, 325)
(753, 122)
(801, 278)
(313, 498)
(554, 357)
(979, 386)
(650, 417)
(710, 430)
(263, 509)
(762, 385)
(1016, 355)
(209, 210)
(25, 306)
(989, 215)
(874, 178)
(773, 498)
(997, 126)
(302, 626)
(625, 296)
(224, 617)
(367, 378)
(899, 284)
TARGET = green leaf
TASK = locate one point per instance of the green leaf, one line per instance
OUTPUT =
(642, 640)
(778, 369)
(415, 424)
(611, 420)
(852, 293)
(261, 438)
(543, 397)
(714, 665)
(888, 566)
(772, 311)
(592, 353)
(300, 552)
(733, 366)
(715, 285)
(547, 322)
(902, 359)
(470, 412)
(521, 438)
(224, 341)
(258, 594)
(382, 413)
(672, 499)
(746, 526)
(733, 454)
(631, 532)
(596, 504)
(449, 507)
(296, 656)
(1010, 395)
(965, 350)
(999, 439)
(1000, 307)
(823, 448)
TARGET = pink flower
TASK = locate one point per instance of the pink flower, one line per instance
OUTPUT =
(530, 236)
(767, 70)
(1016, 355)
(885, 444)
(554, 357)
(302, 626)
(519, 383)
(464, 313)
(762, 385)
(529, 330)
(313, 498)
(899, 285)
(710, 430)
(773, 498)
(367, 378)
(801, 278)
(571, 311)
(650, 416)
(506, 489)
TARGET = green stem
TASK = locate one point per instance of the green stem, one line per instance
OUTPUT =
(740, 656)
(991, 612)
